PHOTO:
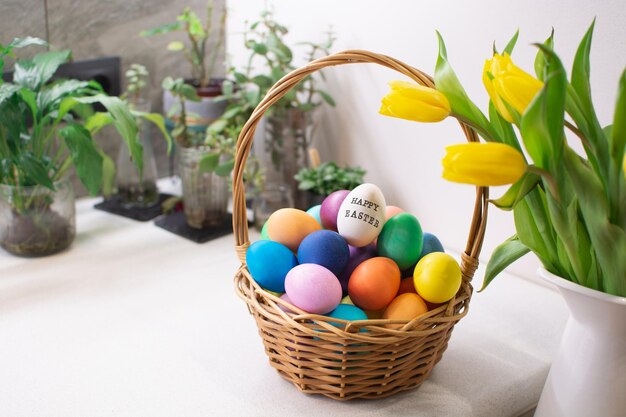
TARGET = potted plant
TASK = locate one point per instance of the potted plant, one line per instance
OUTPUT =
(568, 207)
(202, 59)
(288, 125)
(135, 189)
(204, 164)
(321, 180)
(46, 128)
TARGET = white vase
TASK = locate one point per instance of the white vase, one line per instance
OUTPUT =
(588, 374)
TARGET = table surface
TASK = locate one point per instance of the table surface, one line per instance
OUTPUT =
(136, 321)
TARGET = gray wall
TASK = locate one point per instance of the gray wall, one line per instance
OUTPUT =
(95, 28)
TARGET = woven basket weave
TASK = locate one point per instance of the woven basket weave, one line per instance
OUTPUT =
(362, 359)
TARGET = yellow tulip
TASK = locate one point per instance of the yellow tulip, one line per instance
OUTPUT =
(411, 101)
(507, 83)
(483, 164)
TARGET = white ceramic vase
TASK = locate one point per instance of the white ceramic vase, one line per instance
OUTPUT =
(588, 374)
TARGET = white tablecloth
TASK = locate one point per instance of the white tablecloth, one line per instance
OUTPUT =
(135, 321)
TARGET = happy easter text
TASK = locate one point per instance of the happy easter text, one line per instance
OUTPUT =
(363, 216)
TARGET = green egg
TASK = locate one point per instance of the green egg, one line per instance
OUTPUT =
(401, 240)
(264, 235)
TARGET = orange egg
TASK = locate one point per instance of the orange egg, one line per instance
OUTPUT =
(407, 285)
(391, 211)
(374, 283)
(289, 226)
(404, 307)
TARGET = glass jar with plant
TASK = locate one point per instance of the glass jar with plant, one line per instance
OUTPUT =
(135, 189)
(201, 51)
(46, 127)
(288, 124)
(204, 164)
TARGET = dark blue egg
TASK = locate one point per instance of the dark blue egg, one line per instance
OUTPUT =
(269, 262)
(431, 244)
(325, 248)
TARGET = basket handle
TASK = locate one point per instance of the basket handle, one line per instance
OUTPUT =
(278, 90)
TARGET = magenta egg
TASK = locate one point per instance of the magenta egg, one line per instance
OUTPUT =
(330, 209)
(357, 255)
(313, 288)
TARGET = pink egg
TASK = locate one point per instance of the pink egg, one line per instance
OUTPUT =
(285, 297)
(313, 288)
(391, 211)
(330, 208)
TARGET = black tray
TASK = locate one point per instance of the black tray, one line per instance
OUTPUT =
(177, 224)
(114, 205)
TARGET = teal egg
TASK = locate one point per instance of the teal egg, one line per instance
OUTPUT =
(264, 234)
(269, 262)
(347, 312)
(401, 240)
(315, 212)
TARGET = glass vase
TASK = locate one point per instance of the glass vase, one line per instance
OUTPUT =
(133, 189)
(36, 221)
(287, 137)
(205, 194)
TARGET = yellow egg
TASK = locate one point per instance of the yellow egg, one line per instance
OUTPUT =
(437, 277)
(406, 306)
(346, 300)
(289, 226)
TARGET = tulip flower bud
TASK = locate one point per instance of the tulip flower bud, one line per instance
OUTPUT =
(411, 101)
(507, 83)
(483, 164)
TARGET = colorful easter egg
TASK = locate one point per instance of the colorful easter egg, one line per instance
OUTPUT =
(374, 283)
(290, 226)
(264, 235)
(431, 244)
(346, 312)
(401, 240)
(326, 248)
(330, 207)
(357, 256)
(437, 277)
(315, 213)
(313, 288)
(361, 215)
(407, 285)
(285, 298)
(391, 211)
(269, 262)
(404, 307)
(346, 300)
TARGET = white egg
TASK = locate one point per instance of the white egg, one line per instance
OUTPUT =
(362, 215)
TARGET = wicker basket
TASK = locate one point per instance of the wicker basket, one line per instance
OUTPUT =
(364, 359)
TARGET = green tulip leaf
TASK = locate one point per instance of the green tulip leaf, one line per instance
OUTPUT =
(503, 128)
(503, 256)
(540, 59)
(581, 72)
(509, 46)
(618, 131)
(85, 156)
(516, 192)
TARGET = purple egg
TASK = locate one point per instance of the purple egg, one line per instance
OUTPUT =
(330, 209)
(357, 255)
(285, 297)
(313, 288)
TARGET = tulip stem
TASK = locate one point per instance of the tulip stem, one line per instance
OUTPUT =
(578, 133)
(554, 190)
(482, 132)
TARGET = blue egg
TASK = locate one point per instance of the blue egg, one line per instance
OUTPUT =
(347, 312)
(269, 262)
(325, 248)
(431, 244)
(315, 212)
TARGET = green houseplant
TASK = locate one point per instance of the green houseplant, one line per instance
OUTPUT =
(325, 178)
(41, 138)
(569, 207)
(287, 133)
(201, 50)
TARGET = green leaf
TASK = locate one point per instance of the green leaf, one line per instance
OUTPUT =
(27, 41)
(542, 123)
(327, 98)
(259, 48)
(7, 90)
(29, 97)
(166, 28)
(225, 168)
(447, 82)
(540, 59)
(263, 81)
(509, 46)
(503, 256)
(97, 121)
(516, 192)
(503, 128)
(157, 120)
(240, 78)
(34, 74)
(581, 71)
(175, 46)
(35, 169)
(85, 156)
(217, 126)
(617, 138)
(50, 95)
(209, 162)
(108, 175)
(274, 44)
